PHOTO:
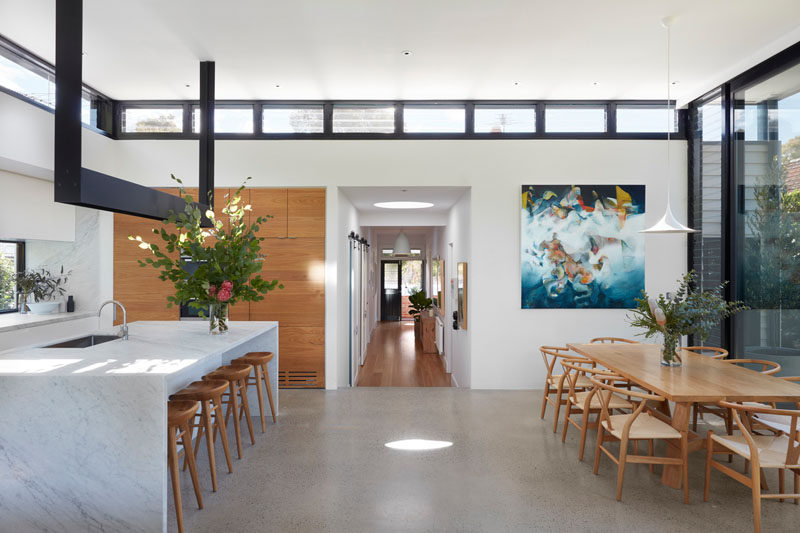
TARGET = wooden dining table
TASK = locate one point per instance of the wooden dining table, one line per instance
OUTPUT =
(700, 379)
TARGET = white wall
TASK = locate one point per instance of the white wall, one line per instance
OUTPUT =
(29, 211)
(503, 338)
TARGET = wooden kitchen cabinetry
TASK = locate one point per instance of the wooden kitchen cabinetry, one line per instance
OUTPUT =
(294, 245)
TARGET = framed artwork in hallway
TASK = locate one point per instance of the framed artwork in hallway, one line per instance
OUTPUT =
(581, 246)
(461, 288)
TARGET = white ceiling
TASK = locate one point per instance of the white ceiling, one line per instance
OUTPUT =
(462, 49)
(442, 198)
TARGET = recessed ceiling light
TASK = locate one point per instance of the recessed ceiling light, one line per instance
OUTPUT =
(595, 83)
(403, 205)
(277, 86)
(406, 52)
(516, 83)
(188, 85)
(418, 444)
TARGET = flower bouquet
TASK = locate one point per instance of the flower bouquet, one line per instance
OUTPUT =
(227, 254)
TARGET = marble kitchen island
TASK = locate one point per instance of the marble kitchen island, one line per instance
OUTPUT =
(83, 431)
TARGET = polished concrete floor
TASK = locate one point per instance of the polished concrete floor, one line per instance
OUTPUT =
(324, 467)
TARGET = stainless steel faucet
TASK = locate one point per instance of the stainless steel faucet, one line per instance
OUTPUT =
(123, 331)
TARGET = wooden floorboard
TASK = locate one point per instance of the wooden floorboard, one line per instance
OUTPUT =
(395, 360)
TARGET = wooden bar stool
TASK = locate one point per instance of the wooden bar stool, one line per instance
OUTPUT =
(209, 394)
(236, 376)
(179, 412)
(259, 361)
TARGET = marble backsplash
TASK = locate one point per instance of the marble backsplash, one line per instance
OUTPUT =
(81, 258)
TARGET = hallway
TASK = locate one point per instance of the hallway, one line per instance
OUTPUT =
(395, 360)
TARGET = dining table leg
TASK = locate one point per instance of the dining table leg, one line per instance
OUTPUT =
(672, 475)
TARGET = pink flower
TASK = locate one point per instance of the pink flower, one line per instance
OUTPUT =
(212, 290)
(224, 295)
(227, 285)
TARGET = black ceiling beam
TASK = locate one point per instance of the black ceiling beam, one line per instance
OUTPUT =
(206, 179)
(74, 184)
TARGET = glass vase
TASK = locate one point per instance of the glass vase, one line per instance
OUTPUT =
(670, 348)
(218, 319)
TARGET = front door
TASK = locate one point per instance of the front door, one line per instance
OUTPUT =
(390, 290)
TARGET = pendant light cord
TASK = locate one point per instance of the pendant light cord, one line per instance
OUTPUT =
(669, 108)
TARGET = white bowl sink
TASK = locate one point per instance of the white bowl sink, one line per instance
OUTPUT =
(43, 308)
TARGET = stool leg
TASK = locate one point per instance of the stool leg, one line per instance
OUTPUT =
(233, 403)
(246, 408)
(269, 393)
(172, 459)
(207, 428)
(187, 452)
(260, 393)
(220, 422)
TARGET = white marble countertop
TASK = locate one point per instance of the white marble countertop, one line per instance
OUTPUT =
(153, 348)
(14, 321)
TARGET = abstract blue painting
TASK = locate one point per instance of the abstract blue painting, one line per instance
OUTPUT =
(581, 246)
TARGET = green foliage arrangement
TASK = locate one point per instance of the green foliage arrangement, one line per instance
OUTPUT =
(687, 312)
(419, 302)
(43, 285)
(228, 254)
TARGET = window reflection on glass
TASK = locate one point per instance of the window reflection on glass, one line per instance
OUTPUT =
(363, 119)
(227, 119)
(391, 279)
(575, 119)
(8, 272)
(152, 120)
(499, 119)
(434, 119)
(292, 119)
(646, 119)
(767, 177)
(37, 85)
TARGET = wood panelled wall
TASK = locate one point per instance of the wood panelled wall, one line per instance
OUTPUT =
(294, 245)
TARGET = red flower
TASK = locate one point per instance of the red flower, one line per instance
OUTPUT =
(224, 295)
(212, 290)
(227, 285)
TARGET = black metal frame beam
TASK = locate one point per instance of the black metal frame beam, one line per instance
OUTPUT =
(74, 184)
(206, 178)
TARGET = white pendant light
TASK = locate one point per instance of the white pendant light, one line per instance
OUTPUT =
(668, 223)
(401, 245)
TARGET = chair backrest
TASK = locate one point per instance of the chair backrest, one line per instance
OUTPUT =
(611, 340)
(742, 414)
(767, 367)
(605, 387)
(551, 354)
(577, 367)
(709, 351)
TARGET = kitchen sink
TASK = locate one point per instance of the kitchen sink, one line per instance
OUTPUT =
(84, 342)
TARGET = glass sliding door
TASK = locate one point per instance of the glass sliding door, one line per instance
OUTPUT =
(707, 125)
(766, 221)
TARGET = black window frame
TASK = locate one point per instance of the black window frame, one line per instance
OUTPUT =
(731, 201)
(20, 270)
(104, 105)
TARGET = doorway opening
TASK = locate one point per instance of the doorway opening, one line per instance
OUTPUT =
(399, 280)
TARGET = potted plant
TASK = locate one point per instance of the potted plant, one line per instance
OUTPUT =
(688, 311)
(44, 287)
(419, 303)
(228, 254)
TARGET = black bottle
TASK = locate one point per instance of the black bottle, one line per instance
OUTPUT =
(70, 305)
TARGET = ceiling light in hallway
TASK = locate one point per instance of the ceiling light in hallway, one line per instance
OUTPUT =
(418, 444)
(401, 244)
(403, 205)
